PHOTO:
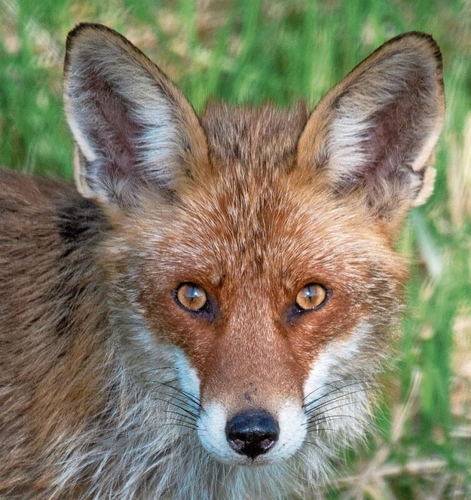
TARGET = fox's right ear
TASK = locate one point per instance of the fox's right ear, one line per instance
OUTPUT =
(132, 127)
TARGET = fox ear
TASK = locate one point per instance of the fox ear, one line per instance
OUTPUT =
(375, 132)
(132, 127)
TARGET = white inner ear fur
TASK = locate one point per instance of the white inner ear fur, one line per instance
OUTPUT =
(353, 119)
(79, 136)
(427, 187)
(160, 142)
(360, 143)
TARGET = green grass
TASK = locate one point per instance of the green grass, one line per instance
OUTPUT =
(252, 51)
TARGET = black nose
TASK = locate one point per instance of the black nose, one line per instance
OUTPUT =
(252, 433)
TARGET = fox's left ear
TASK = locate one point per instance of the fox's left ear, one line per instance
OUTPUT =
(376, 130)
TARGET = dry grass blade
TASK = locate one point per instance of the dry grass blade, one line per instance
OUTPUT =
(459, 176)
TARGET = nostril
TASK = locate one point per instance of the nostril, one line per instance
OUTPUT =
(252, 433)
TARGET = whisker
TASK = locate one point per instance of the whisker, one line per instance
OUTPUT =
(333, 400)
(337, 389)
(189, 396)
(314, 415)
(182, 408)
(180, 423)
(312, 443)
(148, 371)
(336, 384)
(312, 426)
(183, 416)
(162, 396)
(325, 418)
(182, 400)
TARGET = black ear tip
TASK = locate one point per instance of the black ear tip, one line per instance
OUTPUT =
(79, 30)
(434, 49)
(97, 33)
(421, 40)
(432, 43)
(81, 27)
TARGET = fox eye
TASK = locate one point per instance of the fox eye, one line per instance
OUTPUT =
(311, 297)
(191, 297)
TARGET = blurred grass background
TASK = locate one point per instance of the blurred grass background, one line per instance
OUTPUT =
(252, 51)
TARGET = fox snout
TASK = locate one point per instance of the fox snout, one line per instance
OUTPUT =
(249, 434)
(252, 436)
(251, 401)
(252, 433)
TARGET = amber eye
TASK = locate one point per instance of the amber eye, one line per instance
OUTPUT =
(311, 297)
(191, 297)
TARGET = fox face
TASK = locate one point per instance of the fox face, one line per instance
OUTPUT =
(256, 242)
(279, 301)
(246, 275)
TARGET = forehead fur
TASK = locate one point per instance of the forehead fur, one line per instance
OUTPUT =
(246, 222)
(263, 138)
(255, 211)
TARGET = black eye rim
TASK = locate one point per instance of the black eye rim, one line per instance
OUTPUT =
(298, 310)
(208, 307)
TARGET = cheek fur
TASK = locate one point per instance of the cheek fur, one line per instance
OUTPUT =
(187, 375)
(339, 387)
(332, 362)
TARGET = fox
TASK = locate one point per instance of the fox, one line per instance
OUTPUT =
(208, 313)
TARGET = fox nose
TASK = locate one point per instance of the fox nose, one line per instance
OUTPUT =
(252, 433)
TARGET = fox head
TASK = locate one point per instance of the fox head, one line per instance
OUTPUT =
(255, 245)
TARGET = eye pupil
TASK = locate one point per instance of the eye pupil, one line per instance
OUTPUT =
(310, 292)
(191, 297)
(311, 297)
